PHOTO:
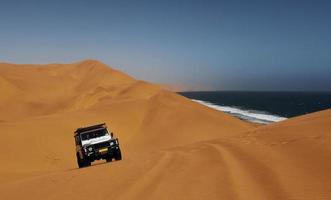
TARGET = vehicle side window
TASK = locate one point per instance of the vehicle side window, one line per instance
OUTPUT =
(77, 140)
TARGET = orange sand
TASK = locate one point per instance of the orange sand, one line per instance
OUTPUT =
(172, 147)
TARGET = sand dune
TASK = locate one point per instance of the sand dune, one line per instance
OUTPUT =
(172, 147)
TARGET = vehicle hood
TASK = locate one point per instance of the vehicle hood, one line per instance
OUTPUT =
(96, 140)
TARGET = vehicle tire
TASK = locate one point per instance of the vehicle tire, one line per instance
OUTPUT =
(108, 159)
(80, 162)
(87, 163)
(118, 154)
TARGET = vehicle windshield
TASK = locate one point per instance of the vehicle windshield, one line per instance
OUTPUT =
(94, 134)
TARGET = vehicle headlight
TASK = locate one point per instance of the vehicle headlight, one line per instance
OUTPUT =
(112, 143)
(90, 148)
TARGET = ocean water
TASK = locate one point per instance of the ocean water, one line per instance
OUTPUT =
(263, 107)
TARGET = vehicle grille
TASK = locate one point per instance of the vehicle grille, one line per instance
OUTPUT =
(101, 145)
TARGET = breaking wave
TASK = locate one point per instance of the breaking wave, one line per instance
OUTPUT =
(247, 115)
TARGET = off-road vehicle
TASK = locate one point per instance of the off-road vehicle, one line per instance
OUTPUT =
(95, 143)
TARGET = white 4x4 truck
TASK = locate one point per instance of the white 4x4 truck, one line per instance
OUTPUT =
(95, 143)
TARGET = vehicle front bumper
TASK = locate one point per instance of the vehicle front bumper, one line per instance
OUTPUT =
(101, 153)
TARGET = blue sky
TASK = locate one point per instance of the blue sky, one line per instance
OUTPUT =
(207, 45)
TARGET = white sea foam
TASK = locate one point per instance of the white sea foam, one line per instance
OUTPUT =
(249, 115)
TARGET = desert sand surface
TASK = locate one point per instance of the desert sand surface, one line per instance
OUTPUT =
(172, 148)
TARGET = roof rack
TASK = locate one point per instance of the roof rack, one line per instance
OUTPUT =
(87, 128)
